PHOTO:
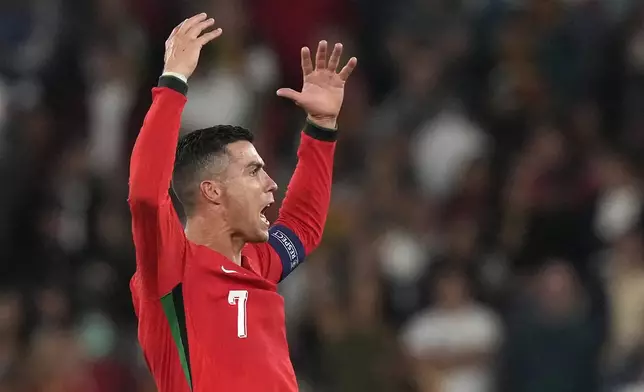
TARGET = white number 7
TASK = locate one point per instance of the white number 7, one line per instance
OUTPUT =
(239, 297)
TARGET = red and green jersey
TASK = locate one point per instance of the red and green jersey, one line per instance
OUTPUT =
(206, 323)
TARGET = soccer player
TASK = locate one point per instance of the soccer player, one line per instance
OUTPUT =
(210, 317)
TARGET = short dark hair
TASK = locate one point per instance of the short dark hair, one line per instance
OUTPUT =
(195, 154)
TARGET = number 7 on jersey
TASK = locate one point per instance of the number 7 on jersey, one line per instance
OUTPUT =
(239, 297)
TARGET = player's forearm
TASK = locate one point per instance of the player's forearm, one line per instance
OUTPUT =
(307, 200)
(153, 156)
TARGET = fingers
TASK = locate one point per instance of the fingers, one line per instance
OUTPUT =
(196, 30)
(209, 36)
(174, 31)
(172, 34)
(307, 64)
(193, 28)
(321, 61)
(335, 57)
(347, 69)
(188, 23)
(288, 93)
(320, 57)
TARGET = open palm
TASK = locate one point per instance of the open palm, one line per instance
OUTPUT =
(323, 87)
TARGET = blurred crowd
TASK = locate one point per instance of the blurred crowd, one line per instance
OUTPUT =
(486, 227)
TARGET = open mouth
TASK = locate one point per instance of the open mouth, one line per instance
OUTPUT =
(262, 215)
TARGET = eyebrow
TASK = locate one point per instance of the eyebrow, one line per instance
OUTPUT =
(255, 165)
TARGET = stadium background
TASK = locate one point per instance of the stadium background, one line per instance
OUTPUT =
(485, 232)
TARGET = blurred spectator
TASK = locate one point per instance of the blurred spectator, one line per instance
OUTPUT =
(443, 149)
(624, 274)
(620, 203)
(225, 89)
(451, 344)
(478, 139)
(357, 351)
(554, 337)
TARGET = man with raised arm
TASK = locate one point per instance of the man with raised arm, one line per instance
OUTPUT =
(210, 317)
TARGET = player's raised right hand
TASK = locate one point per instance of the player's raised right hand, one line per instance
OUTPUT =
(184, 45)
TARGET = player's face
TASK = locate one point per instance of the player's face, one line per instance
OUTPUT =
(247, 192)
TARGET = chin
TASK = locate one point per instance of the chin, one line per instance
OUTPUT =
(260, 236)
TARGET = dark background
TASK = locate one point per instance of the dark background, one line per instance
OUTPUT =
(485, 231)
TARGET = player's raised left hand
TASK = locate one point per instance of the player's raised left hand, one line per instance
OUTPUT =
(323, 88)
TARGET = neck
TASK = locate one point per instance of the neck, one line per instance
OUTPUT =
(213, 234)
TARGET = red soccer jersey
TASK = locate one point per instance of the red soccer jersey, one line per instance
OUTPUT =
(205, 323)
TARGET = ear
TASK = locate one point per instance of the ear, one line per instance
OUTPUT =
(211, 190)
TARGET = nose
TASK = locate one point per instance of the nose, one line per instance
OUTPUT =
(272, 185)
